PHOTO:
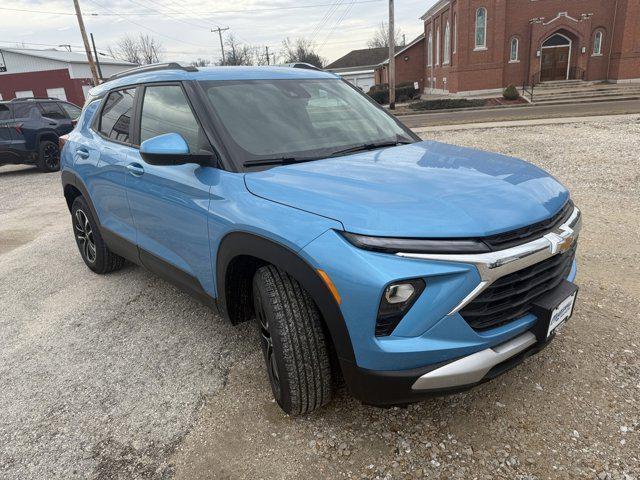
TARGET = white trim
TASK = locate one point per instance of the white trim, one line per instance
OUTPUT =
(430, 48)
(480, 49)
(542, 47)
(561, 15)
(435, 9)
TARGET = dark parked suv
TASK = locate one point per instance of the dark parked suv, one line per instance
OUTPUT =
(30, 128)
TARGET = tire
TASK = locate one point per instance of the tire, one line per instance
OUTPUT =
(293, 342)
(48, 156)
(93, 250)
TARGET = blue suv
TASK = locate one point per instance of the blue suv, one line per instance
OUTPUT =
(400, 267)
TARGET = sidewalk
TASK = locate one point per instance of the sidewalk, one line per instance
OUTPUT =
(528, 123)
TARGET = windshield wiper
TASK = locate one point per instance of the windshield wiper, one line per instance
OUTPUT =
(271, 161)
(370, 146)
(278, 161)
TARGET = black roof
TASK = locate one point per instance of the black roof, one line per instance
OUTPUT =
(365, 57)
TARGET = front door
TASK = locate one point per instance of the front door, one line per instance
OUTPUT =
(170, 203)
(555, 62)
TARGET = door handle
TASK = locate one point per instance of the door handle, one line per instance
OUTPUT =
(82, 153)
(135, 169)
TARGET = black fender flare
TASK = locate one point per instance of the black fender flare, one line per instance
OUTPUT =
(70, 178)
(243, 243)
(47, 133)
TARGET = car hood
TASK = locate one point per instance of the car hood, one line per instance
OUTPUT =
(425, 189)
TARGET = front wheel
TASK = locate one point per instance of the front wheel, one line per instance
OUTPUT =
(293, 342)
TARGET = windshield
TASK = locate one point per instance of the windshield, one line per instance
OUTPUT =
(298, 120)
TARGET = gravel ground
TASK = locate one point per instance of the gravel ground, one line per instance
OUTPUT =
(123, 376)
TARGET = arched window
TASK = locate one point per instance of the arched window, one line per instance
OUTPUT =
(438, 46)
(597, 42)
(481, 28)
(430, 49)
(513, 51)
(447, 44)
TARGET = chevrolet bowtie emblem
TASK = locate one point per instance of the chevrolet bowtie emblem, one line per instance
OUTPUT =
(558, 243)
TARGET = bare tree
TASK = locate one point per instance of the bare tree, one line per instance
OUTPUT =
(150, 49)
(301, 50)
(141, 51)
(380, 38)
(202, 62)
(236, 53)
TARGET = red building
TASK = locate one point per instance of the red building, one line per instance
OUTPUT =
(484, 45)
(50, 73)
(410, 64)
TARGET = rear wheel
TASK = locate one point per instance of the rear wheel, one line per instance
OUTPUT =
(293, 342)
(48, 156)
(94, 251)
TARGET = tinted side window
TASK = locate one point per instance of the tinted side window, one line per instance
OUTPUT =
(52, 110)
(5, 113)
(165, 109)
(71, 110)
(116, 115)
(25, 110)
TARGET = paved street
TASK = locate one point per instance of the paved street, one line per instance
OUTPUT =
(122, 376)
(520, 113)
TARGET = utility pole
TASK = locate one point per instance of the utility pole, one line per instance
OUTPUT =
(85, 40)
(392, 60)
(267, 50)
(95, 52)
(220, 30)
(404, 39)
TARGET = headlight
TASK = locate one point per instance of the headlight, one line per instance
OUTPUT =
(416, 245)
(397, 299)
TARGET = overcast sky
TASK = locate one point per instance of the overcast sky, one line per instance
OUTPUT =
(183, 26)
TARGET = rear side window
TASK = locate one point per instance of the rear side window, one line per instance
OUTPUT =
(5, 113)
(116, 115)
(25, 110)
(165, 109)
(52, 110)
(71, 110)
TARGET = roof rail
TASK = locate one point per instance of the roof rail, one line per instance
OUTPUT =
(307, 66)
(21, 99)
(152, 68)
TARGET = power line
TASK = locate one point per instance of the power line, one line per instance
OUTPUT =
(192, 13)
(155, 31)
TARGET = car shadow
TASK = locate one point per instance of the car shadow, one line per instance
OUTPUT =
(18, 170)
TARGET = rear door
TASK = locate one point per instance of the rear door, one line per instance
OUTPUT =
(100, 161)
(6, 137)
(170, 203)
(55, 118)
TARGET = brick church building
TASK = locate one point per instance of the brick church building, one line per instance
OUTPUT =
(484, 45)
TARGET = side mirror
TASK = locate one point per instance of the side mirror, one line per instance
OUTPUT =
(170, 149)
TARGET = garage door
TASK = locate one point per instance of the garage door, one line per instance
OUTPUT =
(58, 93)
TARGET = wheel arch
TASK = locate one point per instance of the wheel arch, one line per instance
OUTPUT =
(239, 256)
(47, 135)
(73, 187)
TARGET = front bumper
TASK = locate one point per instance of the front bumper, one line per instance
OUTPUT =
(388, 388)
(433, 349)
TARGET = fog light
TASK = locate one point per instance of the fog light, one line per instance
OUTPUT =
(396, 300)
(399, 292)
